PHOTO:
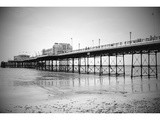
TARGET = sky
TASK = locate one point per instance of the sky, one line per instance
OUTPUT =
(28, 30)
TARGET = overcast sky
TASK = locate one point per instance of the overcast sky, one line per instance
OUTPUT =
(29, 30)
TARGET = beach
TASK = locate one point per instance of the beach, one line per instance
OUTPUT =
(86, 102)
(36, 92)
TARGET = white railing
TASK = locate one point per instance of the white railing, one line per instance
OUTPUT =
(114, 45)
(120, 44)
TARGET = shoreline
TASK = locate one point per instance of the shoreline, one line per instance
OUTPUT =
(81, 102)
(24, 92)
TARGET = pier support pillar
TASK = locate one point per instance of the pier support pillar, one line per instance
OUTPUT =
(123, 66)
(94, 65)
(56, 66)
(144, 63)
(116, 65)
(141, 64)
(45, 65)
(100, 69)
(148, 64)
(87, 64)
(109, 66)
(156, 65)
(72, 65)
(51, 65)
(67, 66)
(79, 65)
(60, 65)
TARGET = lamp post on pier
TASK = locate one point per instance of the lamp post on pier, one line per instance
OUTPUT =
(79, 46)
(72, 43)
(93, 42)
(130, 36)
(99, 42)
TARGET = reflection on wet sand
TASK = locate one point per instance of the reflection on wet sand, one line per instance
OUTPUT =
(25, 90)
(116, 84)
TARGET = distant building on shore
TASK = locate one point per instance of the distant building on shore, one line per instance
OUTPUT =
(58, 48)
(21, 57)
(47, 51)
(3, 64)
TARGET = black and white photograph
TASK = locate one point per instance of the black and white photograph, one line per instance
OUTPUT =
(96, 60)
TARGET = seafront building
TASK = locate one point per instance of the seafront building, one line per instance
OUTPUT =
(47, 51)
(21, 57)
(58, 48)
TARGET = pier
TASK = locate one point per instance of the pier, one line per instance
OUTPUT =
(102, 60)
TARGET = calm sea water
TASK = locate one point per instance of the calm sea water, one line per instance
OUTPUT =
(21, 77)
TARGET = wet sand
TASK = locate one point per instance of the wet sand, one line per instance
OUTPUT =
(45, 101)
(30, 91)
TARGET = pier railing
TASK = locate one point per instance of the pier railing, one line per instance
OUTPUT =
(121, 44)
